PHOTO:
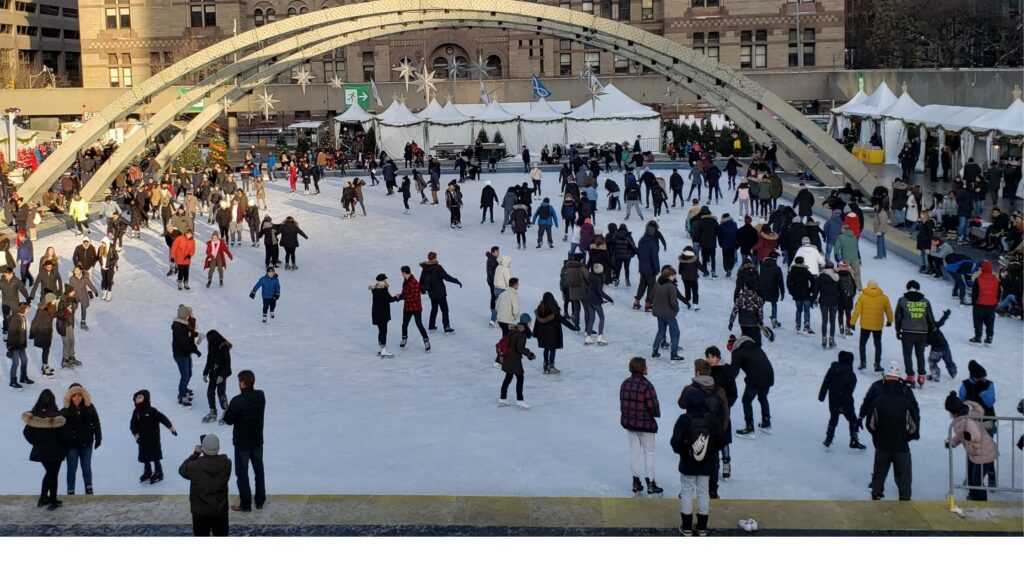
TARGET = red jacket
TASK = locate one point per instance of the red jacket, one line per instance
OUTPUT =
(182, 250)
(986, 287)
(411, 295)
(853, 222)
(222, 255)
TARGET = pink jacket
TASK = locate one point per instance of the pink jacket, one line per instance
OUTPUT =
(981, 449)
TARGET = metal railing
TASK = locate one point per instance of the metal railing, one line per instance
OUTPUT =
(1015, 486)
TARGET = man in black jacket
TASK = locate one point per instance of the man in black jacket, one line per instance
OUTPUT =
(725, 378)
(759, 377)
(892, 417)
(208, 473)
(492, 266)
(838, 385)
(245, 413)
(432, 280)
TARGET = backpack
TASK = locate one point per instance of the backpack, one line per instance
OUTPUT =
(698, 437)
(501, 348)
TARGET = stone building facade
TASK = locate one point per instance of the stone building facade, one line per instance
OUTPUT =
(37, 33)
(756, 34)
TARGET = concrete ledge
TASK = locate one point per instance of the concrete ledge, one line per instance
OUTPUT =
(500, 515)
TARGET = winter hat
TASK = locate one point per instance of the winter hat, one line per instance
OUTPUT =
(799, 260)
(954, 405)
(381, 277)
(487, 183)
(431, 255)
(913, 285)
(894, 370)
(598, 268)
(184, 312)
(977, 371)
(210, 444)
(846, 357)
(805, 241)
(524, 319)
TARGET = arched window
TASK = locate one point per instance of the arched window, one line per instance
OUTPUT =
(303, 10)
(270, 15)
(258, 17)
(494, 66)
(440, 66)
(292, 11)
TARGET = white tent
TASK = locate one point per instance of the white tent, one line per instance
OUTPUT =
(541, 125)
(894, 132)
(397, 126)
(431, 110)
(869, 110)
(494, 120)
(354, 115)
(840, 122)
(446, 125)
(515, 108)
(1009, 122)
(613, 117)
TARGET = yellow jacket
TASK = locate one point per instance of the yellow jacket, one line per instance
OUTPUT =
(79, 210)
(871, 306)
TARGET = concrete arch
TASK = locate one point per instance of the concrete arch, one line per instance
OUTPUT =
(669, 58)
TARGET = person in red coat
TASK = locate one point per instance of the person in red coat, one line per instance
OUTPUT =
(413, 307)
(853, 222)
(217, 256)
(293, 177)
(984, 299)
(639, 408)
(182, 250)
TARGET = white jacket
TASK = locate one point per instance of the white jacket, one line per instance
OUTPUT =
(503, 273)
(507, 306)
(812, 258)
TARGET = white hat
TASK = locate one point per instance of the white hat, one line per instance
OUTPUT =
(894, 370)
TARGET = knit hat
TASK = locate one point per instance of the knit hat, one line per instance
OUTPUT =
(894, 371)
(381, 277)
(184, 312)
(954, 405)
(805, 241)
(431, 255)
(210, 444)
(977, 371)
(524, 319)
(913, 285)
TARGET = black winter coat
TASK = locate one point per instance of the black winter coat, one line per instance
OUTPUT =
(208, 478)
(828, 288)
(512, 363)
(218, 356)
(800, 283)
(47, 435)
(770, 285)
(748, 357)
(380, 311)
(706, 231)
(548, 330)
(145, 425)
(624, 246)
(83, 426)
(42, 328)
(183, 341)
(290, 232)
(17, 332)
(245, 413)
(432, 280)
(838, 385)
(84, 258)
(746, 238)
(891, 414)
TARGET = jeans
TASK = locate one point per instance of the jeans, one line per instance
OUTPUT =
(694, 487)
(589, 312)
(672, 325)
(984, 316)
(902, 470)
(828, 319)
(508, 380)
(944, 355)
(76, 455)
(775, 309)
(494, 300)
(269, 305)
(418, 317)
(633, 205)
(880, 245)
(803, 309)
(749, 393)
(641, 453)
(242, 460)
(543, 229)
(19, 364)
(185, 371)
(961, 229)
(828, 251)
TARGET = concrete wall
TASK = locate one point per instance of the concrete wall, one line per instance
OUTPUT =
(986, 88)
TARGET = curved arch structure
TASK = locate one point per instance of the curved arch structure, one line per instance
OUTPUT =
(256, 56)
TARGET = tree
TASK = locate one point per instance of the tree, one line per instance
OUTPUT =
(481, 138)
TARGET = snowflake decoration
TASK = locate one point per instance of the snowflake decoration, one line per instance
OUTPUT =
(405, 72)
(336, 82)
(455, 67)
(426, 83)
(481, 67)
(303, 77)
(596, 91)
(267, 102)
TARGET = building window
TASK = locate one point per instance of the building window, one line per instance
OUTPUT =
(698, 42)
(69, 13)
(5, 29)
(203, 14)
(71, 35)
(713, 46)
(794, 58)
(809, 43)
(27, 31)
(606, 8)
(564, 4)
(117, 14)
(48, 10)
(706, 3)
(368, 66)
(257, 18)
(26, 7)
(761, 49)
(588, 6)
(50, 32)
(621, 64)
(72, 67)
(269, 15)
(624, 10)
(564, 44)
(494, 63)
(5, 4)
(647, 9)
(113, 72)
(746, 48)
(334, 64)
(564, 64)
(592, 60)
(51, 60)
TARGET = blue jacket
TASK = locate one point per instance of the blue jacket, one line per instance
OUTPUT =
(982, 389)
(833, 227)
(551, 219)
(271, 287)
(727, 235)
(647, 254)
(25, 250)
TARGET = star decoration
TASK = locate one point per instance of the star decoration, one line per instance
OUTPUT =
(426, 83)
(596, 91)
(455, 67)
(336, 82)
(249, 117)
(227, 104)
(303, 78)
(267, 102)
(481, 67)
(405, 72)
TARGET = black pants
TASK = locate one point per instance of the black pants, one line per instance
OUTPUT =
(713, 477)
(975, 477)
(269, 305)
(289, 256)
(728, 260)
(49, 490)
(851, 418)
(154, 468)
(620, 268)
(519, 385)
(749, 393)
(183, 270)
(677, 193)
(691, 291)
(707, 258)
(107, 279)
(484, 213)
(983, 316)
(456, 215)
(876, 337)
(752, 332)
(549, 356)
(521, 239)
(902, 469)
(829, 312)
(645, 288)
(442, 304)
(7, 314)
(382, 334)
(242, 460)
(543, 229)
(271, 256)
(913, 346)
(209, 525)
(418, 316)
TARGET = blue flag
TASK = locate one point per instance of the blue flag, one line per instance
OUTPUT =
(538, 88)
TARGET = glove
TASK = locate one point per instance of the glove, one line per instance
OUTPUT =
(730, 326)
(206, 378)
(252, 295)
(888, 324)
(198, 353)
(92, 294)
(96, 445)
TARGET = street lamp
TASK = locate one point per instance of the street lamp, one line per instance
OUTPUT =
(12, 137)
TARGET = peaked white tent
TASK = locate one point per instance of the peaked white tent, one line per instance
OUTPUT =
(613, 117)
(446, 125)
(869, 110)
(895, 133)
(838, 122)
(396, 126)
(355, 114)
(541, 125)
(432, 109)
(494, 119)
(1009, 121)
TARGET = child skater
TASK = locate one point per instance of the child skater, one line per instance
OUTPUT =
(270, 289)
(145, 426)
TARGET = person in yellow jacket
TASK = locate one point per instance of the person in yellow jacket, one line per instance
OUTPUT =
(871, 308)
(79, 212)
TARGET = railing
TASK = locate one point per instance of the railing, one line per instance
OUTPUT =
(1015, 486)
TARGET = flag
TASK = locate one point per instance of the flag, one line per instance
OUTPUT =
(376, 95)
(538, 88)
(484, 97)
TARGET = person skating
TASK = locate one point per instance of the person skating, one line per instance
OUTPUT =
(520, 220)
(488, 198)
(183, 346)
(891, 415)
(269, 286)
(979, 447)
(65, 326)
(772, 286)
(727, 241)
(45, 431)
(41, 331)
(182, 250)
(801, 287)
(748, 308)
(500, 279)
(270, 233)
(940, 350)
(690, 269)
(108, 258)
(380, 312)
(412, 308)
(985, 295)
(665, 308)
(508, 204)
(512, 362)
(650, 267)
(758, 379)
(696, 438)
(871, 307)
(145, 427)
(826, 286)
(914, 321)
(432, 283)
(216, 373)
(17, 343)
(10, 287)
(979, 389)
(639, 410)
(725, 379)
(217, 256)
(208, 473)
(623, 250)
(85, 291)
(838, 386)
(847, 293)
(245, 414)
(573, 283)
(84, 434)
(546, 218)
(547, 329)
(289, 238)
(705, 234)
(594, 298)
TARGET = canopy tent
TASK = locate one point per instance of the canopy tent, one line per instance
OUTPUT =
(355, 114)
(494, 120)
(430, 111)
(869, 109)
(895, 133)
(1009, 121)
(397, 126)
(838, 123)
(541, 125)
(306, 125)
(446, 125)
(613, 117)
(515, 108)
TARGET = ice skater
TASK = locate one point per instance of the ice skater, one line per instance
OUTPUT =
(270, 291)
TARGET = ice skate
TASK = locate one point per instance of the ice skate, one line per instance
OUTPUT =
(553, 370)
(449, 330)
(831, 342)
(588, 340)
(638, 487)
(503, 403)
(746, 432)
(402, 343)
(856, 445)
(384, 353)
(27, 380)
(271, 315)
(223, 400)
(426, 345)
(157, 477)
(522, 405)
(601, 340)
(726, 470)
(824, 343)
(676, 358)
(145, 476)
(14, 384)
(653, 488)
(211, 417)
(83, 325)
(765, 426)
(264, 318)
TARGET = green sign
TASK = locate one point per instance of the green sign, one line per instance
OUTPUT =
(860, 81)
(357, 94)
(195, 108)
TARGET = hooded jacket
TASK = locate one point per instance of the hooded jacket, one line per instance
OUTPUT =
(145, 424)
(507, 306)
(749, 358)
(432, 279)
(770, 282)
(767, 242)
(727, 234)
(47, 435)
(846, 247)
(546, 214)
(647, 252)
(380, 309)
(838, 384)
(914, 314)
(218, 356)
(665, 301)
(891, 415)
(985, 290)
(977, 442)
(748, 307)
(812, 258)
(573, 280)
(82, 422)
(827, 287)
(800, 283)
(746, 238)
(872, 307)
